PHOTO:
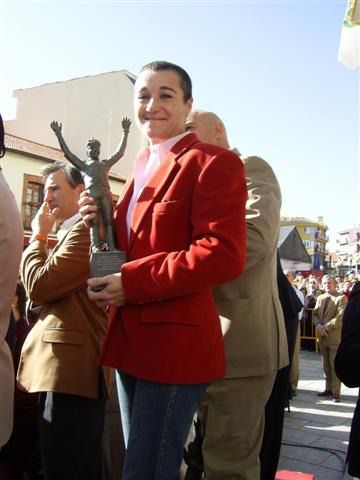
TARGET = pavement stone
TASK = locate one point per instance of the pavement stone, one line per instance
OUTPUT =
(316, 430)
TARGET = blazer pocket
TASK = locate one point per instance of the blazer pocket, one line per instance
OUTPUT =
(169, 206)
(57, 335)
(176, 312)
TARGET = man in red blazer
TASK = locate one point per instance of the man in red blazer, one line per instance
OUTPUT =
(181, 222)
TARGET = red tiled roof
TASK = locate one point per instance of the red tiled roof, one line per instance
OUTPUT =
(22, 145)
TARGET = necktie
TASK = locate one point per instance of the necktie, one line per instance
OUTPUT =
(324, 311)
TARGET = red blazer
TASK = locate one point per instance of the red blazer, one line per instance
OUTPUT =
(187, 235)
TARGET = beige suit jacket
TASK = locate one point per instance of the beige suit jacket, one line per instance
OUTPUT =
(330, 314)
(11, 245)
(60, 354)
(249, 306)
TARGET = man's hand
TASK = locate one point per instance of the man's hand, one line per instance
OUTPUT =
(56, 126)
(44, 220)
(321, 330)
(112, 293)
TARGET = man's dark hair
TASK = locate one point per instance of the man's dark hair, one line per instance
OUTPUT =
(185, 80)
(73, 175)
(2, 138)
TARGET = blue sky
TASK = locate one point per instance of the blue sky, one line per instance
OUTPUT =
(269, 69)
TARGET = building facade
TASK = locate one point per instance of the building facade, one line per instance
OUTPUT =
(292, 252)
(348, 250)
(314, 237)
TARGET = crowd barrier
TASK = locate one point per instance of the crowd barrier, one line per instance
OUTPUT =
(307, 331)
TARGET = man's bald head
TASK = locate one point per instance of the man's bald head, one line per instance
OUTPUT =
(208, 127)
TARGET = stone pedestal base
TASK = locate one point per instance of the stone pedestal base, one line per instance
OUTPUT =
(106, 263)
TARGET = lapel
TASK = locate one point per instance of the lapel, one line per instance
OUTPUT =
(327, 306)
(120, 214)
(60, 242)
(162, 177)
(324, 307)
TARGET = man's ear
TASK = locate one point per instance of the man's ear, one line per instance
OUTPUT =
(219, 131)
(189, 104)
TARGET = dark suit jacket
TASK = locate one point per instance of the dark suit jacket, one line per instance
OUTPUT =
(291, 306)
(347, 367)
(187, 235)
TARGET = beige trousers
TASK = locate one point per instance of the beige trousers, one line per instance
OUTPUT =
(232, 414)
(328, 353)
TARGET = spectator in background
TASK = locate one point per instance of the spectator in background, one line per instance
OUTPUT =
(11, 245)
(328, 314)
(295, 363)
(347, 286)
(313, 291)
(280, 394)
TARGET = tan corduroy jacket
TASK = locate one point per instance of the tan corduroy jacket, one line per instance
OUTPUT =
(61, 352)
(249, 306)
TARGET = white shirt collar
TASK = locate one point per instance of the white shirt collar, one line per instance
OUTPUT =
(146, 164)
(163, 148)
(66, 225)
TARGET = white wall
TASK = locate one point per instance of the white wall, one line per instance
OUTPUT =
(87, 107)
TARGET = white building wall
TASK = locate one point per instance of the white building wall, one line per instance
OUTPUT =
(14, 166)
(87, 107)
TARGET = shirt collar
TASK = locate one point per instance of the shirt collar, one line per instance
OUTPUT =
(163, 148)
(66, 225)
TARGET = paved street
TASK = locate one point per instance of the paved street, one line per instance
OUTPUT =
(317, 423)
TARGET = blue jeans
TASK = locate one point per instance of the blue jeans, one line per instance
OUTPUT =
(156, 420)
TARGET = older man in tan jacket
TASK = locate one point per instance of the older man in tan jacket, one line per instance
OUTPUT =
(253, 324)
(327, 316)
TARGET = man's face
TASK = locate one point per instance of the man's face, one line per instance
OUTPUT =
(200, 124)
(159, 105)
(290, 276)
(329, 284)
(58, 193)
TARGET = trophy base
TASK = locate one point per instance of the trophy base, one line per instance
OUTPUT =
(106, 263)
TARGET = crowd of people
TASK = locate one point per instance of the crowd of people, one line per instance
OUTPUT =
(311, 286)
(324, 299)
(199, 226)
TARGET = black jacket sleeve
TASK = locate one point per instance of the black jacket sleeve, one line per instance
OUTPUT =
(347, 360)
